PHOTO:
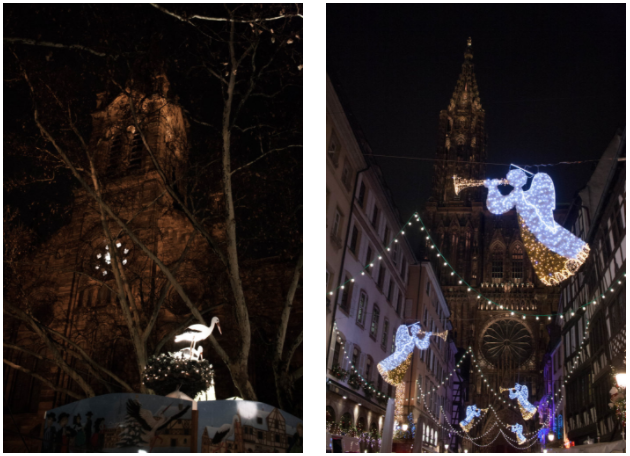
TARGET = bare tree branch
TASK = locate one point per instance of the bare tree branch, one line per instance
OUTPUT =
(286, 311)
(58, 45)
(38, 329)
(296, 343)
(297, 373)
(225, 19)
(42, 379)
(264, 155)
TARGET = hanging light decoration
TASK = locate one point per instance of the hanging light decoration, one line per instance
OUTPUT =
(555, 253)
(518, 430)
(472, 411)
(520, 393)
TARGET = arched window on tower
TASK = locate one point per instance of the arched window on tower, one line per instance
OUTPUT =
(114, 153)
(135, 151)
(497, 265)
(517, 264)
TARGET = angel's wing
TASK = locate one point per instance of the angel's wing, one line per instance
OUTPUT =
(542, 195)
(402, 336)
(525, 391)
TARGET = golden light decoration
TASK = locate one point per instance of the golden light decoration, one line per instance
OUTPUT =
(550, 267)
(395, 376)
(400, 396)
(461, 184)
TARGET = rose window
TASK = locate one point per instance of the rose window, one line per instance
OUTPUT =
(506, 341)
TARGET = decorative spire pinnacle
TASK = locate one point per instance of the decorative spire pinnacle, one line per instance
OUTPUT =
(468, 52)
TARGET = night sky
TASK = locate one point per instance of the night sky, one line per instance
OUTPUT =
(551, 79)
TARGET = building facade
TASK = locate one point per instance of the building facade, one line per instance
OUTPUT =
(598, 217)
(488, 252)
(367, 284)
(433, 371)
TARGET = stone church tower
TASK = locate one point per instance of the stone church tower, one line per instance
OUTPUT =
(488, 252)
(71, 283)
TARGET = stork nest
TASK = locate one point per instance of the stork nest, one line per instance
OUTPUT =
(164, 373)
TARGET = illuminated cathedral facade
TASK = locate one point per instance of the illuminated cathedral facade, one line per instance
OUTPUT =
(488, 252)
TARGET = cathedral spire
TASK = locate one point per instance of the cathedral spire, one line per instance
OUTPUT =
(461, 138)
(466, 93)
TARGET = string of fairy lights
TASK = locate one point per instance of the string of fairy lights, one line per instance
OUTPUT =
(497, 421)
(367, 384)
(400, 391)
(415, 217)
(497, 418)
(494, 424)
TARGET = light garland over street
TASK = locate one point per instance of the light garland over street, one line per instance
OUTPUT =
(469, 288)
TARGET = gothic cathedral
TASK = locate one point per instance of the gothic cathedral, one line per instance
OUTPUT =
(488, 252)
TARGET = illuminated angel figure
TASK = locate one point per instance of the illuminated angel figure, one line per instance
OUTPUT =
(518, 430)
(393, 367)
(555, 253)
(472, 412)
(520, 393)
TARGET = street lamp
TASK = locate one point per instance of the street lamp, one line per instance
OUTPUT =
(405, 427)
(551, 437)
(621, 379)
(446, 447)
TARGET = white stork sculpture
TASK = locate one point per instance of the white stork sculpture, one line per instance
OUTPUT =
(196, 333)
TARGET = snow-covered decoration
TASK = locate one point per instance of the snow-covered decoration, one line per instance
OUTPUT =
(472, 412)
(145, 423)
(518, 430)
(228, 426)
(521, 393)
(555, 253)
(393, 368)
(141, 425)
